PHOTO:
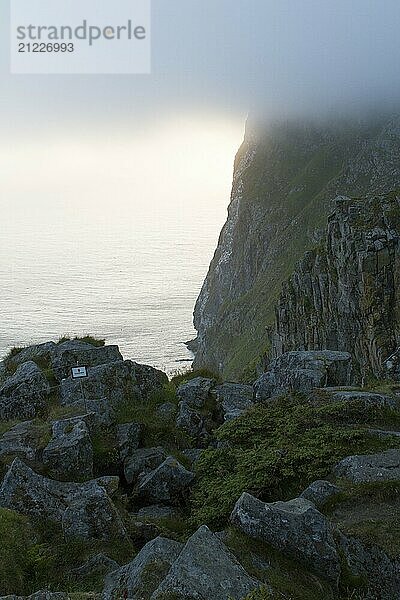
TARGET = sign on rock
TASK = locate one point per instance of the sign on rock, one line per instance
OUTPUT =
(79, 372)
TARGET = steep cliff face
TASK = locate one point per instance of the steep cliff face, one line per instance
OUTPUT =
(344, 295)
(285, 180)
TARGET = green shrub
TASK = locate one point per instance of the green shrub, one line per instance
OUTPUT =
(275, 450)
(89, 339)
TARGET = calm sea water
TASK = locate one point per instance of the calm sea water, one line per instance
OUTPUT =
(130, 274)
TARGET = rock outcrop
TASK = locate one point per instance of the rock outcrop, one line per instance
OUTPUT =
(295, 527)
(286, 178)
(304, 371)
(367, 468)
(344, 293)
(205, 569)
(69, 454)
(24, 394)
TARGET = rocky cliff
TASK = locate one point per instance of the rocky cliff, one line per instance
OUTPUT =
(344, 294)
(286, 178)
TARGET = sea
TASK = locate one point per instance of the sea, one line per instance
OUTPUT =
(128, 274)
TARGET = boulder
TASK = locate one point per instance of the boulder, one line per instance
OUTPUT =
(367, 399)
(194, 423)
(234, 399)
(142, 461)
(128, 438)
(319, 492)
(24, 440)
(68, 354)
(168, 484)
(303, 371)
(24, 394)
(69, 454)
(368, 468)
(90, 514)
(40, 353)
(138, 579)
(149, 379)
(110, 483)
(295, 528)
(84, 510)
(195, 392)
(205, 569)
(167, 411)
(100, 409)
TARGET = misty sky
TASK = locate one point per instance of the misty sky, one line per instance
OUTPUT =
(214, 61)
(226, 56)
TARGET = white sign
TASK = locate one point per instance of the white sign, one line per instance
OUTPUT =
(79, 372)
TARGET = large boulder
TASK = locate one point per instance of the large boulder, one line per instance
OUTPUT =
(69, 454)
(234, 399)
(116, 382)
(168, 484)
(96, 566)
(128, 439)
(83, 509)
(25, 440)
(119, 383)
(142, 461)
(68, 354)
(205, 569)
(195, 392)
(303, 371)
(295, 528)
(138, 579)
(368, 468)
(24, 395)
(90, 514)
(367, 399)
(194, 423)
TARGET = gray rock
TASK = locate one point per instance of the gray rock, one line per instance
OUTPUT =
(195, 392)
(83, 509)
(69, 454)
(193, 422)
(68, 354)
(101, 411)
(149, 379)
(128, 438)
(371, 564)
(303, 371)
(37, 352)
(234, 399)
(319, 492)
(116, 382)
(167, 411)
(156, 511)
(295, 528)
(205, 569)
(95, 566)
(23, 440)
(138, 579)
(90, 514)
(168, 484)
(368, 399)
(142, 461)
(24, 395)
(384, 466)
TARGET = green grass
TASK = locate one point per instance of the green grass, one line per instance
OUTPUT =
(276, 450)
(182, 377)
(88, 339)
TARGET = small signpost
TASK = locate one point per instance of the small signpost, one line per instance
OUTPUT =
(80, 373)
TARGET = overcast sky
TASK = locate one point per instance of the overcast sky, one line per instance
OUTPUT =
(226, 56)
